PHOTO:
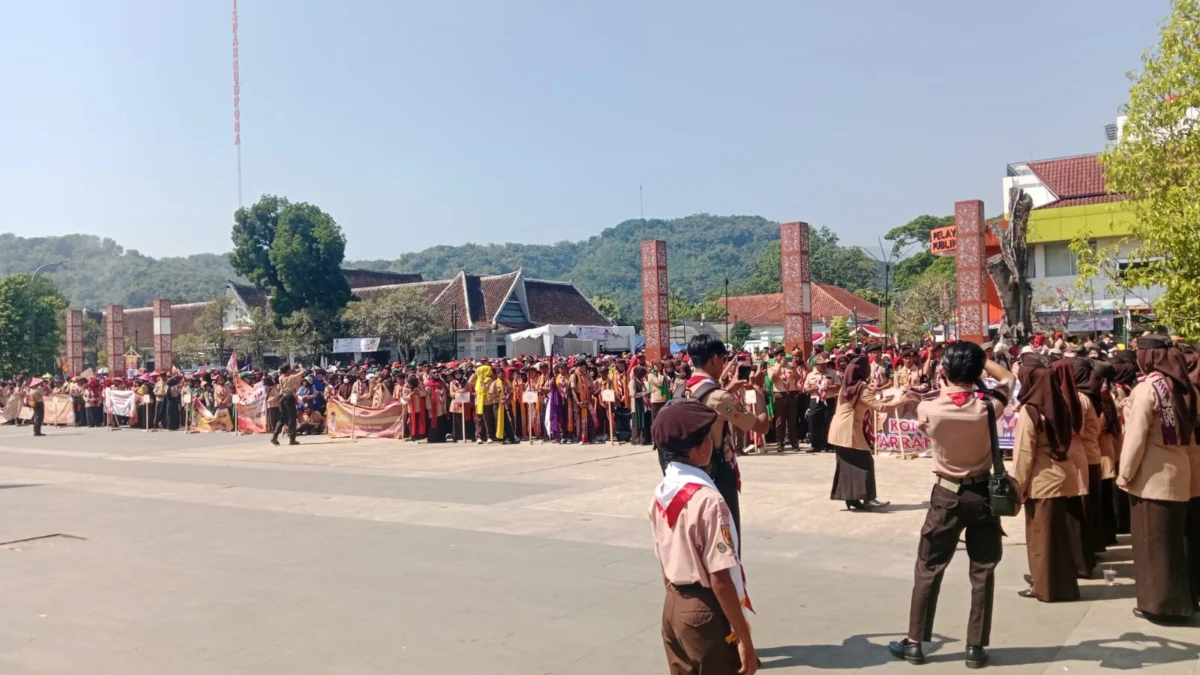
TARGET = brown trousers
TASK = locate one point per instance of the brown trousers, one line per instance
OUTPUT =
(1160, 564)
(694, 630)
(949, 514)
(1080, 535)
(787, 420)
(1048, 545)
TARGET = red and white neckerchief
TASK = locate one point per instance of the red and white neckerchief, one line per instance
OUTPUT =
(680, 482)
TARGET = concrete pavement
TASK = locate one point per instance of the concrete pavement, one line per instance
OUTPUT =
(168, 553)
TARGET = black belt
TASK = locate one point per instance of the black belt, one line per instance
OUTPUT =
(696, 587)
(956, 484)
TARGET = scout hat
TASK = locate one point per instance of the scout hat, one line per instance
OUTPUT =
(681, 426)
(821, 359)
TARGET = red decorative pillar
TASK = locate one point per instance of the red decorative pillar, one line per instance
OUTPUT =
(162, 335)
(797, 286)
(972, 275)
(74, 342)
(656, 317)
(114, 339)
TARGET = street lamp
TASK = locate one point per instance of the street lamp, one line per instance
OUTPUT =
(888, 260)
(33, 319)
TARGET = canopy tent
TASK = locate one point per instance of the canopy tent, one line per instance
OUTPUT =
(863, 329)
(558, 339)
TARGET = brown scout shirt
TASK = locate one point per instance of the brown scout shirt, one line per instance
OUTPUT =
(1154, 470)
(290, 384)
(729, 409)
(962, 443)
(697, 546)
(1034, 468)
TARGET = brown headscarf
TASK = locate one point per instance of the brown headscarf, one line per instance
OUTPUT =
(1105, 374)
(854, 378)
(1156, 354)
(1041, 393)
(1126, 373)
(1066, 383)
(1087, 382)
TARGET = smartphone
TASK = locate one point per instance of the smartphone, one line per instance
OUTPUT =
(744, 372)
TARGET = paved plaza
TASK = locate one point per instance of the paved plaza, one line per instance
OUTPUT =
(134, 553)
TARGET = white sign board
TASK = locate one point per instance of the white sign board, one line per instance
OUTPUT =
(608, 396)
(593, 333)
(751, 397)
(355, 345)
(530, 397)
(462, 397)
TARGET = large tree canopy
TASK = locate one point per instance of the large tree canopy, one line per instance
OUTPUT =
(403, 316)
(1157, 165)
(831, 263)
(30, 326)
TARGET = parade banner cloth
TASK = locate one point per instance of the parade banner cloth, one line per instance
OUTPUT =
(342, 419)
(205, 421)
(59, 412)
(251, 408)
(120, 403)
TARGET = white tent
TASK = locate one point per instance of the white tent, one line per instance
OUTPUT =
(564, 339)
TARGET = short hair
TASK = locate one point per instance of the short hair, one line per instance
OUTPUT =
(963, 362)
(703, 347)
(285, 369)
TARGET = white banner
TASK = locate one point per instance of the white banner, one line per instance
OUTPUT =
(355, 345)
(594, 333)
(120, 403)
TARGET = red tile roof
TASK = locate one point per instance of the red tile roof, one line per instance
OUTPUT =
(559, 302)
(827, 302)
(1075, 181)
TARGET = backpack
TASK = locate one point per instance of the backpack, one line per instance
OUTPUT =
(701, 394)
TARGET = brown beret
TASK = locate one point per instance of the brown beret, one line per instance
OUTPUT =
(682, 425)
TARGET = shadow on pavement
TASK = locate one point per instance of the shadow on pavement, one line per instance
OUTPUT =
(855, 652)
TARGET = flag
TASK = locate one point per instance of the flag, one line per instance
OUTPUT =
(232, 365)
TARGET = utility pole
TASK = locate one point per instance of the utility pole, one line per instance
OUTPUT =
(726, 308)
(454, 328)
(887, 260)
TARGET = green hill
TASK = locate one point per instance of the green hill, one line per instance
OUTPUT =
(701, 249)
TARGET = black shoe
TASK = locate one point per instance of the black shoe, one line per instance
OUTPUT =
(855, 505)
(875, 505)
(976, 657)
(274, 441)
(1160, 619)
(293, 442)
(909, 651)
(1028, 579)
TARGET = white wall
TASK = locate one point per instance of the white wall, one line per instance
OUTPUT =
(1044, 285)
(1030, 183)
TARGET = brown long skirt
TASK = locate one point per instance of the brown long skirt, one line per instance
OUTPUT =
(1048, 545)
(1093, 508)
(854, 476)
(1193, 538)
(1160, 563)
(1080, 538)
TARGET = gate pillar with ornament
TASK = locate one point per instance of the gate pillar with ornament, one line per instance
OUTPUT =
(656, 318)
(162, 335)
(74, 342)
(114, 339)
(972, 271)
(797, 286)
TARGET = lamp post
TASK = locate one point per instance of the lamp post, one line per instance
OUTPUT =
(33, 318)
(888, 260)
(454, 328)
(726, 308)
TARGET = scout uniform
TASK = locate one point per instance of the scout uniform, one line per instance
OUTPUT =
(823, 388)
(730, 410)
(39, 409)
(288, 386)
(694, 538)
(786, 397)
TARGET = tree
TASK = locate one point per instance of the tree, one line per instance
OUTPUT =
(308, 333)
(295, 251)
(189, 351)
(1157, 166)
(741, 333)
(30, 308)
(839, 332)
(830, 263)
(94, 351)
(930, 302)
(256, 334)
(403, 316)
(1068, 301)
(209, 329)
(608, 308)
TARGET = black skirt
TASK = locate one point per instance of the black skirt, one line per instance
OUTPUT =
(854, 477)
(1080, 537)
(1160, 563)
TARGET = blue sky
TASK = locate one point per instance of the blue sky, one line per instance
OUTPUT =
(416, 124)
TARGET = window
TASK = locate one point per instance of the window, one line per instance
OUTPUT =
(1031, 265)
(1060, 260)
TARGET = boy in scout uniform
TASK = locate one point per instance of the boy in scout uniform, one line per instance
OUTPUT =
(709, 357)
(704, 624)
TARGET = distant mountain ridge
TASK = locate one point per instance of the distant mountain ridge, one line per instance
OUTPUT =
(701, 250)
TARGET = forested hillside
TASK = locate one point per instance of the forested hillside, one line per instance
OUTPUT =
(701, 248)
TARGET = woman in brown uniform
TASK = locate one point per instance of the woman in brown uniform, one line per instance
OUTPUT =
(1085, 559)
(1193, 533)
(1126, 378)
(1089, 386)
(1048, 479)
(1156, 472)
(1110, 435)
(854, 477)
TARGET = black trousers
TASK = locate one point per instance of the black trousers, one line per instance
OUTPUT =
(803, 401)
(949, 514)
(80, 411)
(786, 420)
(725, 478)
(287, 417)
(160, 413)
(485, 425)
(39, 413)
(820, 413)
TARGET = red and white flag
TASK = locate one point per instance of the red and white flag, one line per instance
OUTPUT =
(232, 365)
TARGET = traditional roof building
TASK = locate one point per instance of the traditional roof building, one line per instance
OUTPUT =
(765, 313)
